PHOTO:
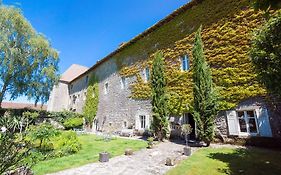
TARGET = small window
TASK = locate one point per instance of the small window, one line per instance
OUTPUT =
(74, 99)
(125, 124)
(71, 86)
(147, 74)
(123, 82)
(87, 79)
(247, 121)
(185, 63)
(142, 121)
(106, 88)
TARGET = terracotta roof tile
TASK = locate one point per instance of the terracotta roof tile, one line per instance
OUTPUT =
(13, 105)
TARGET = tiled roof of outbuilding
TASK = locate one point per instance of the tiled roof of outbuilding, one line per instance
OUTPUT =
(13, 105)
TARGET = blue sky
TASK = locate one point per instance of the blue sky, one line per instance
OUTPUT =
(84, 31)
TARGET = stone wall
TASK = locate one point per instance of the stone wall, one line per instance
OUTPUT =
(78, 90)
(116, 107)
(59, 98)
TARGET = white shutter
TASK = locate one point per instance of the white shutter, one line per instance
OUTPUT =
(263, 122)
(147, 122)
(232, 121)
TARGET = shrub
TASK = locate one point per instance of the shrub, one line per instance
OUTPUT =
(66, 143)
(42, 133)
(62, 116)
(72, 123)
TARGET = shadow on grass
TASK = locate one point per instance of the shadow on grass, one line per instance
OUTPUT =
(249, 161)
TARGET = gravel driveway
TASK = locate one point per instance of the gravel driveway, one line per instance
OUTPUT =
(143, 162)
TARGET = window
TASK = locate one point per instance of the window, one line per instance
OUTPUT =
(106, 88)
(87, 79)
(125, 124)
(185, 63)
(247, 122)
(142, 121)
(123, 82)
(74, 99)
(146, 74)
(71, 87)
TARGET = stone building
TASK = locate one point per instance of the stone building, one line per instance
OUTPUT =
(123, 75)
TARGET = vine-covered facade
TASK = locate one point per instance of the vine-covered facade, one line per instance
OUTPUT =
(123, 76)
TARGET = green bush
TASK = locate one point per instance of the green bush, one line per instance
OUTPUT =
(41, 134)
(62, 116)
(72, 123)
(66, 143)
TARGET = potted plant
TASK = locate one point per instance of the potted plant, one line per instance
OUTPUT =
(186, 129)
(150, 142)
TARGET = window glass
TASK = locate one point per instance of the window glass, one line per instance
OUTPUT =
(142, 121)
(123, 82)
(185, 63)
(106, 88)
(147, 74)
(242, 122)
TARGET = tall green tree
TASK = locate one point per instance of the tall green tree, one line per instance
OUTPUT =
(28, 63)
(92, 100)
(265, 5)
(159, 101)
(265, 54)
(205, 97)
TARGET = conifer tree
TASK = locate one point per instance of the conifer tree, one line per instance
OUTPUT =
(205, 98)
(159, 101)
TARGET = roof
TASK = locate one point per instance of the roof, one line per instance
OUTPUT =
(13, 105)
(72, 72)
(166, 20)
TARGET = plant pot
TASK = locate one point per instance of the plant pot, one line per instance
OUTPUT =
(104, 157)
(187, 151)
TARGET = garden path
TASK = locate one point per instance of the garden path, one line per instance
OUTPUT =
(145, 161)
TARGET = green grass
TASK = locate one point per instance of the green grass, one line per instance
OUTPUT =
(230, 161)
(91, 147)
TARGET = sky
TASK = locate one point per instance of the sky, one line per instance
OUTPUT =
(84, 31)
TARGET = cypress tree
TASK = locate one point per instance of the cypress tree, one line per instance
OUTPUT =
(159, 101)
(205, 98)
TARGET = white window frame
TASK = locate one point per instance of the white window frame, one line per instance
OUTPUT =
(106, 87)
(185, 64)
(246, 118)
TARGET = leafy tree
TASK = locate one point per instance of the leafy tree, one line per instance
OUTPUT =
(205, 98)
(266, 54)
(92, 99)
(159, 100)
(42, 133)
(28, 63)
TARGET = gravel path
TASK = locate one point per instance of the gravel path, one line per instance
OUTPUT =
(143, 162)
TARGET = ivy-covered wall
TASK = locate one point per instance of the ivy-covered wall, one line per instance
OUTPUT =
(227, 30)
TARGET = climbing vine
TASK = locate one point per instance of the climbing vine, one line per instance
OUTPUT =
(92, 99)
(227, 32)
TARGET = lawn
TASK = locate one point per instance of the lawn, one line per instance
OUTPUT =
(91, 147)
(219, 161)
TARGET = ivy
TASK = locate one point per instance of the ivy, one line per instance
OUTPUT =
(92, 99)
(227, 37)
